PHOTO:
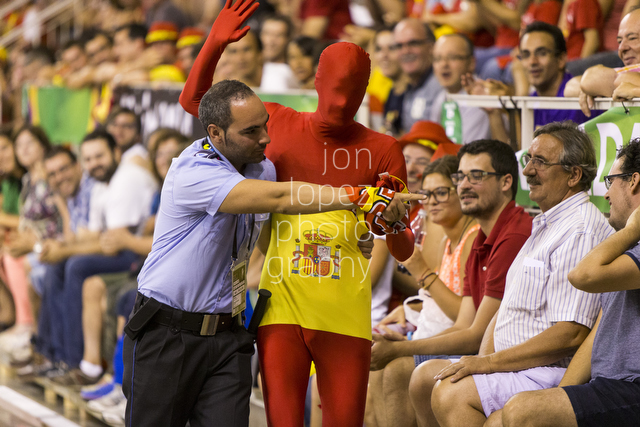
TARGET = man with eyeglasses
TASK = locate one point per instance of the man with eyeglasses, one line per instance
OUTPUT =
(414, 41)
(543, 319)
(452, 59)
(602, 383)
(486, 184)
(66, 178)
(543, 54)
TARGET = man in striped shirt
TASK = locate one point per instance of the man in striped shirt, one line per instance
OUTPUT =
(542, 319)
(602, 383)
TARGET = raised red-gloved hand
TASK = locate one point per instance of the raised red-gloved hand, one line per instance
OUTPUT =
(226, 29)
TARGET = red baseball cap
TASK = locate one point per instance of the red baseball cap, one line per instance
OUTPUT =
(425, 133)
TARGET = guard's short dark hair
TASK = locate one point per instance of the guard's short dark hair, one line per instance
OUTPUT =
(630, 155)
(102, 134)
(123, 110)
(215, 106)
(503, 158)
(444, 166)
(577, 149)
(552, 30)
(58, 149)
(134, 31)
(279, 18)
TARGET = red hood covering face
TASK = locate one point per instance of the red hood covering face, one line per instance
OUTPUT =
(341, 83)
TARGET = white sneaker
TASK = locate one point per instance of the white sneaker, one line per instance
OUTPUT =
(98, 406)
(115, 416)
(17, 337)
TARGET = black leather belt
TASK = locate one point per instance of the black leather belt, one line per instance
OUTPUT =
(200, 323)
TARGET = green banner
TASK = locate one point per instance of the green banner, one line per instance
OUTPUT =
(609, 132)
(64, 114)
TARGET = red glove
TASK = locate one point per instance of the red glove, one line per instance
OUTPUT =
(226, 29)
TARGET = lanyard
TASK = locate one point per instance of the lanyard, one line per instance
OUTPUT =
(234, 254)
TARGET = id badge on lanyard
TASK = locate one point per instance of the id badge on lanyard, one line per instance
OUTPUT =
(239, 270)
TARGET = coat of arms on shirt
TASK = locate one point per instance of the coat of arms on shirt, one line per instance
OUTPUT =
(315, 258)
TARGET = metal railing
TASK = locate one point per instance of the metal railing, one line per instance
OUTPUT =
(57, 20)
(527, 105)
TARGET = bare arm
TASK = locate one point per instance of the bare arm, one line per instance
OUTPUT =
(502, 13)
(591, 43)
(579, 370)
(463, 338)
(467, 20)
(257, 196)
(315, 26)
(606, 268)
(598, 81)
(555, 343)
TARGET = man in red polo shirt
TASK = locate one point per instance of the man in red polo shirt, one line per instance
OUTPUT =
(487, 182)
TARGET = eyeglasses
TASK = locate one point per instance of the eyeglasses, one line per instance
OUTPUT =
(541, 52)
(389, 48)
(410, 44)
(440, 194)
(537, 163)
(451, 58)
(475, 176)
(609, 178)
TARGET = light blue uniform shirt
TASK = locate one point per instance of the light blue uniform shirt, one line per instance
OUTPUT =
(189, 266)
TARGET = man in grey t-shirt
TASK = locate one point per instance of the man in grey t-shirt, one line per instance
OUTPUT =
(602, 384)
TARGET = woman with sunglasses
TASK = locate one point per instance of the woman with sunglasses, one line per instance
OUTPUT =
(437, 304)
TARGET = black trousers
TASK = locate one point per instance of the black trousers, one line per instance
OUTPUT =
(173, 376)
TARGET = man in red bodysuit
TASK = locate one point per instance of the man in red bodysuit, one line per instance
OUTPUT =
(320, 308)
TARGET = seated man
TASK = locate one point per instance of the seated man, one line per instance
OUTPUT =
(487, 184)
(620, 83)
(543, 319)
(607, 362)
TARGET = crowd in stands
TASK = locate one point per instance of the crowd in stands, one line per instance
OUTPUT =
(77, 221)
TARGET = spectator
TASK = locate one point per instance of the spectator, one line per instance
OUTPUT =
(434, 311)
(385, 82)
(486, 185)
(189, 44)
(67, 180)
(604, 81)
(41, 217)
(543, 319)
(122, 200)
(124, 125)
(300, 58)
(99, 49)
(582, 26)
(452, 59)
(324, 19)
(275, 33)
(607, 360)
(414, 41)
(161, 41)
(543, 55)
(163, 11)
(12, 174)
(246, 56)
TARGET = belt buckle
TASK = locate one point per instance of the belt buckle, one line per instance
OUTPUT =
(209, 324)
